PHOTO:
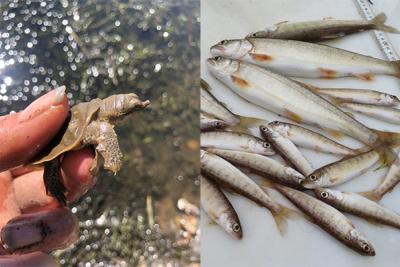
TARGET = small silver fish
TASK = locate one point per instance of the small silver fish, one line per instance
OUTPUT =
(288, 98)
(217, 206)
(309, 60)
(358, 205)
(387, 114)
(362, 96)
(329, 219)
(287, 149)
(235, 141)
(319, 30)
(341, 171)
(228, 175)
(262, 165)
(306, 138)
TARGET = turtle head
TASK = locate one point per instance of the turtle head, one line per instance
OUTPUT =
(116, 106)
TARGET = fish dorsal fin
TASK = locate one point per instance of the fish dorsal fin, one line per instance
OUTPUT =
(281, 22)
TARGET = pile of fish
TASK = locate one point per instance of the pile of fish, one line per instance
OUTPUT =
(258, 68)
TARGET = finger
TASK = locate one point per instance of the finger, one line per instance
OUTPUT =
(8, 207)
(19, 132)
(36, 259)
(42, 231)
(30, 192)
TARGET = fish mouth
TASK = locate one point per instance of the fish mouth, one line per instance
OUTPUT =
(211, 61)
(217, 49)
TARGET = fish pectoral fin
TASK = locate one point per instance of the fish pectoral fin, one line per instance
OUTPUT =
(334, 179)
(368, 77)
(334, 133)
(242, 83)
(327, 18)
(371, 195)
(327, 73)
(261, 57)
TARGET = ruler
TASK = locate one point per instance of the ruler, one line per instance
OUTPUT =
(381, 37)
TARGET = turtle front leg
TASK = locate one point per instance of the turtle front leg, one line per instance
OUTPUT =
(52, 180)
(107, 146)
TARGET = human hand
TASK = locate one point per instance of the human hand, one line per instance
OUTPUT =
(31, 222)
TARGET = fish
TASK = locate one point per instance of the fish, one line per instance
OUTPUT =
(235, 141)
(392, 178)
(329, 219)
(307, 60)
(262, 165)
(287, 149)
(227, 175)
(320, 30)
(362, 96)
(210, 105)
(208, 123)
(356, 204)
(217, 206)
(387, 114)
(306, 138)
(341, 171)
(287, 98)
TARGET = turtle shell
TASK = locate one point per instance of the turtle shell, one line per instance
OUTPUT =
(81, 115)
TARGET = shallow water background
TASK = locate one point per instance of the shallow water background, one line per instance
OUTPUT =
(102, 47)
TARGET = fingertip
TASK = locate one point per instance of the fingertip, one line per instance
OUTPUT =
(76, 174)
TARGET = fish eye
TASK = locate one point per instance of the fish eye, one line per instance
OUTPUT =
(393, 97)
(254, 35)
(366, 248)
(266, 145)
(324, 194)
(223, 42)
(263, 128)
(275, 122)
(217, 58)
(313, 177)
(301, 181)
(236, 227)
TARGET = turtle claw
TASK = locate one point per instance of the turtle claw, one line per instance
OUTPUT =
(51, 177)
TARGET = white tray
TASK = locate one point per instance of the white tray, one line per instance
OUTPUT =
(305, 244)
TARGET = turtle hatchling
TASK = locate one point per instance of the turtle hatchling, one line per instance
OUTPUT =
(90, 124)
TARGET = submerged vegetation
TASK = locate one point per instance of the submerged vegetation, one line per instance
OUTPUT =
(102, 47)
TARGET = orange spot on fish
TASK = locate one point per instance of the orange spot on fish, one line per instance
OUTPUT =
(365, 76)
(334, 133)
(239, 81)
(260, 57)
(327, 73)
(293, 116)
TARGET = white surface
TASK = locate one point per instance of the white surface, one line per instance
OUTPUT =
(304, 244)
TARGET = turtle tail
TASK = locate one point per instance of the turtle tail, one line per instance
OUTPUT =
(52, 180)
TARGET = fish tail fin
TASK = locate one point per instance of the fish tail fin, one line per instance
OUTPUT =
(246, 123)
(372, 195)
(387, 139)
(282, 217)
(379, 23)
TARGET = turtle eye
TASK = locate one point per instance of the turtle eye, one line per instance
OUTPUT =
(217, 58)
(313, 177)
(223, 42)
(324, 194)
(266, 145)
(236, 227)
